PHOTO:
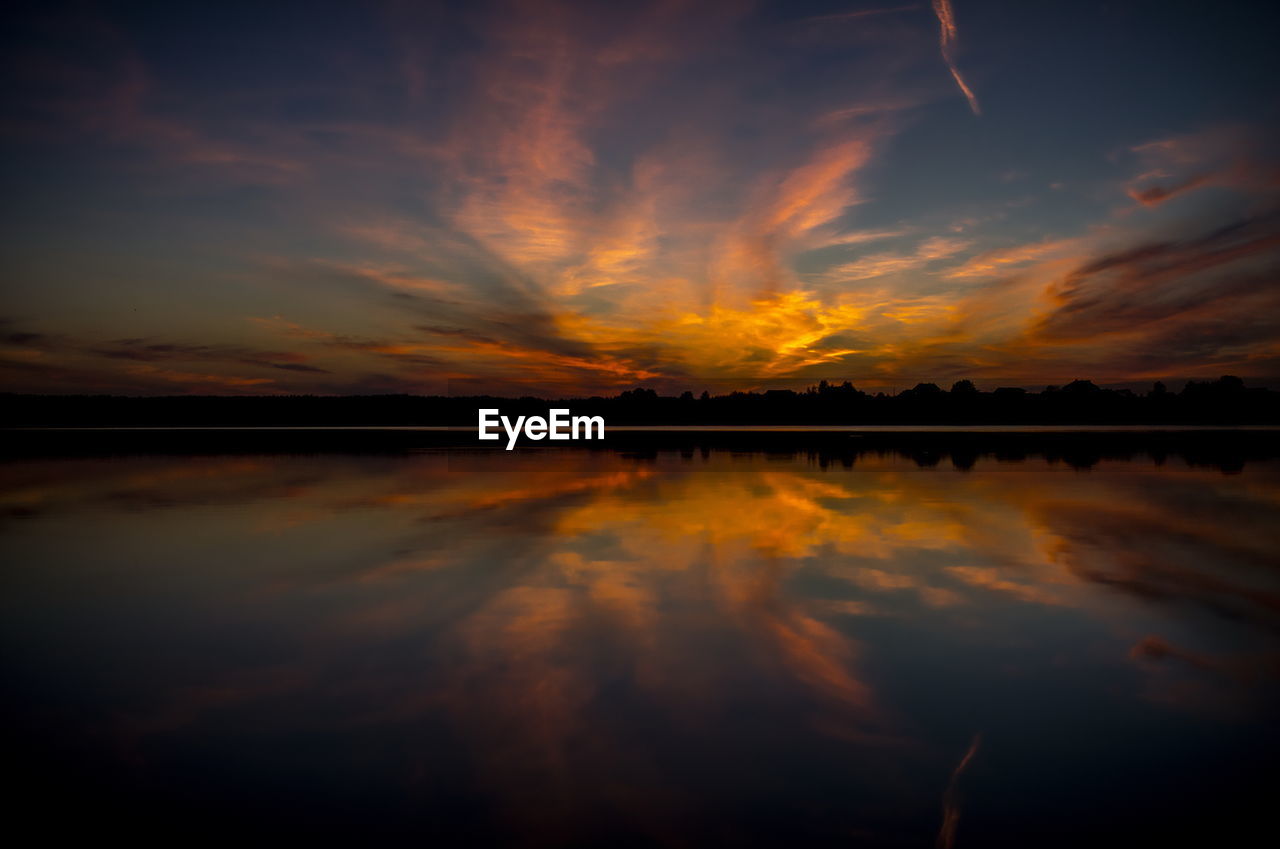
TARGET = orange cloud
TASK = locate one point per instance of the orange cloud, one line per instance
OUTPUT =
(879, 265)
(998, 262)
(786, 211)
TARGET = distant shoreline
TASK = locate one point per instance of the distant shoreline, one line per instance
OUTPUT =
(708, 428)
(1226, 402)
(1227, 449)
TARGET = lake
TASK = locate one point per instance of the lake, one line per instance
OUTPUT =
(705, 647)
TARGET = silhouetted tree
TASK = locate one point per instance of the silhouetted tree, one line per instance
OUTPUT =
(1081, 387)
(924, 390)
(1230, 383)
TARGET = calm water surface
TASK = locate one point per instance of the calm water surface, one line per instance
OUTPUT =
(700, 649)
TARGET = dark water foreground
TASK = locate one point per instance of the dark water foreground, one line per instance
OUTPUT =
(999, 640)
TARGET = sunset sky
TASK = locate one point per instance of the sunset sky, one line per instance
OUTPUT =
(585, 197)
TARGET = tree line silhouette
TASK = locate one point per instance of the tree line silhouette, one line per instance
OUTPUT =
(1225, 401)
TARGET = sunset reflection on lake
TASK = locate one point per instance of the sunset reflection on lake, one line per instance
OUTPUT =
(688, 649)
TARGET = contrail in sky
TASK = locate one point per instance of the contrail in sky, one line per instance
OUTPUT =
(946, 37)
(951, 799)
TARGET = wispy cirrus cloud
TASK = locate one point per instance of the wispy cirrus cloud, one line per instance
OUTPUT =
(149, 351)
(926, 253)
(1001, 261)
(1224, 156)
(786, 215)
(37, 356)
(947, 35)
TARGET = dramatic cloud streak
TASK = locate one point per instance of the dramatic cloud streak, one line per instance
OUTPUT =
(946, 41)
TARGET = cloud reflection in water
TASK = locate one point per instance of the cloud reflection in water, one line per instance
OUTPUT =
(572, 647)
